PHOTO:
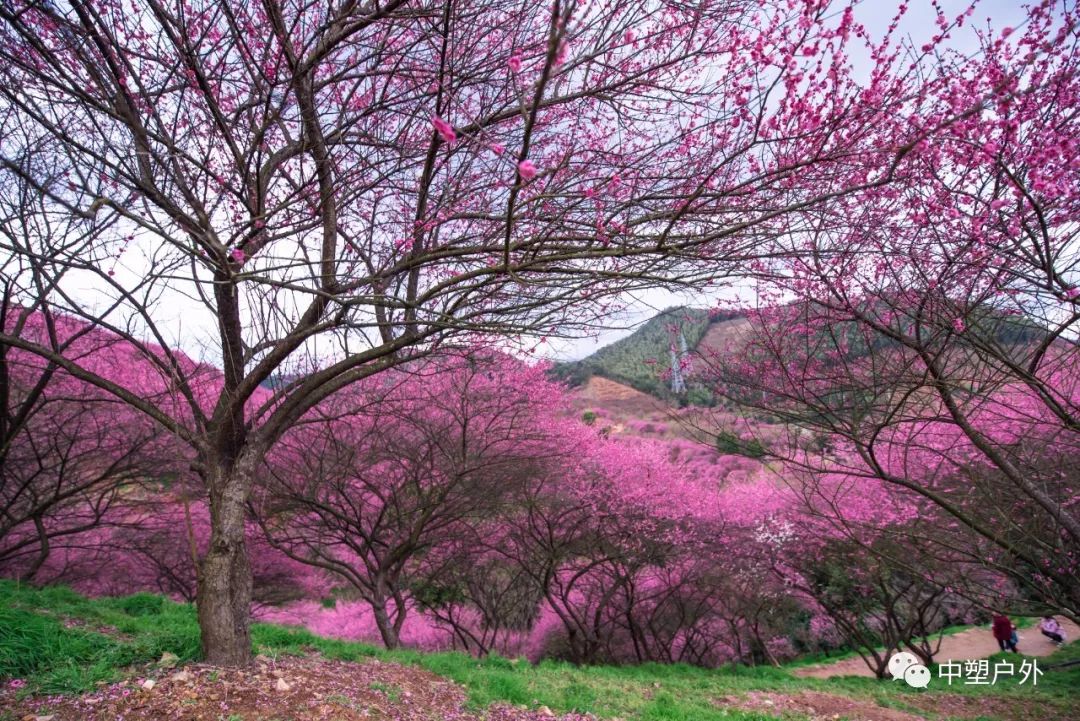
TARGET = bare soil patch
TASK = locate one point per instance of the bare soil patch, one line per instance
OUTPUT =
(817, 705)
(291, 689)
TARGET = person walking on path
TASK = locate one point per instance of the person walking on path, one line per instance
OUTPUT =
(1004, 632)
(1052, 630)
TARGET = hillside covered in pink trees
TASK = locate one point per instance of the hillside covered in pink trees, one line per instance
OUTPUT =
(458, 502)
(471, 501)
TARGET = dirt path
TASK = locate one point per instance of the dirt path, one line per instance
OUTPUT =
(976, 642)
(820, 706)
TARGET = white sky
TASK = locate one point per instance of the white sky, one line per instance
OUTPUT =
(918, 25)
(193, 328)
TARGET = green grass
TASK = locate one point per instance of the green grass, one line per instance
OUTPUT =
(114, 637)
(112, 633)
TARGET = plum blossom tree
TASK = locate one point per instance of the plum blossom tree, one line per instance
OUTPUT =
(68, 451)
(596, 537)
(151, 540)
(861, 553)
(876, 413)
(380, 483)
(933, 339)
(336, 188)
(488, 601)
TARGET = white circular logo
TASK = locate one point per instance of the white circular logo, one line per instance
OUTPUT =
(900, 662)
(917, 676)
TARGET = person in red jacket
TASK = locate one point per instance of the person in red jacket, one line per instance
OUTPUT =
(1004, 632)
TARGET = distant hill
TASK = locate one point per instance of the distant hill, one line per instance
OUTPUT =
(643, 359)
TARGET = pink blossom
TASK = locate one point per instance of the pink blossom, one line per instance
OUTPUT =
(237, 255)
(498, 148)
(17, 683)
(1072, 293)
(515, 63)
(444, 129)
(526, 170)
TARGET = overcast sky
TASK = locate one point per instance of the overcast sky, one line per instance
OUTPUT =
(919, 26)
(193, 329)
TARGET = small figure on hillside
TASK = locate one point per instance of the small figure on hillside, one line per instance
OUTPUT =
(1052, 630)
(1004, 632)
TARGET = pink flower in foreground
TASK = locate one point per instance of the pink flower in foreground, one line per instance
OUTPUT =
(237, 255)
(498, 148)
(1072, 293)
(526, 170)
(444, 129)
(958, 325)
(17, 683)
(515, 63)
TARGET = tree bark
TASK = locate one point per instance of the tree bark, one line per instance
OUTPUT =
(223, 595)
(43, 552)
(388, 630)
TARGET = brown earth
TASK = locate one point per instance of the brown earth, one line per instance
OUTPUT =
(974, 643)
(617, 397)
(618, 403)
(602, 389)
(725, 336)
(817, 705)
(311, 688)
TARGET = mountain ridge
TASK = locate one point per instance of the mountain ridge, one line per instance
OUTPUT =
(648, 359)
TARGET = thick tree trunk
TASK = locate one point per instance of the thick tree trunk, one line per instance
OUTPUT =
(224, 583)
(387, 628)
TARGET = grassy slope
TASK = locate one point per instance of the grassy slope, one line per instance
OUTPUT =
(61, 642)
